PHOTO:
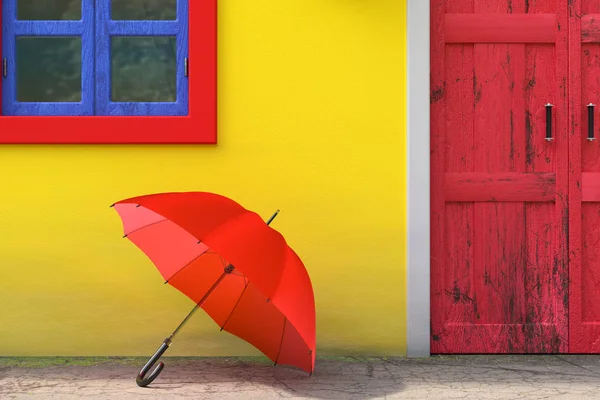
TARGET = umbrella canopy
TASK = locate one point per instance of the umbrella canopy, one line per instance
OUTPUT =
(227, 260)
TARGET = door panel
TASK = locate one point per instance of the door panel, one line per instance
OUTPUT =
(499, 273)
(584, 159)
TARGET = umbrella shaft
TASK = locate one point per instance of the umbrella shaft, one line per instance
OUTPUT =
(229, 269)
(202, 300)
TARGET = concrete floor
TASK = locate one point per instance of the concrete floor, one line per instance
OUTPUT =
(449, 377)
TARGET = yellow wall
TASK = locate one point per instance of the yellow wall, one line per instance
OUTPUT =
(311, 120)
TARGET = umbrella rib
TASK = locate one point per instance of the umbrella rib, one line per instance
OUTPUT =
(185, 266)
(281, 342)
(145, 226)
(236, 304)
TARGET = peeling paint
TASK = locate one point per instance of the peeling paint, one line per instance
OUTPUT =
(502, 268)
(436, 95)
(529, 152)
(476, 90)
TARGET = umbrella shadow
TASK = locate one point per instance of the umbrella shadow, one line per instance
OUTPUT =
(345, 378)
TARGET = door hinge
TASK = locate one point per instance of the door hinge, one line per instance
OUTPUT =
(4, 67)
(186, 67)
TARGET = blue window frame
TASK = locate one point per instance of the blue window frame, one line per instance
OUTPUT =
(102, 66)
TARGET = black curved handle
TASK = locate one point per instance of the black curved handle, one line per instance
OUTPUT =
(591, 122)
(142, 380)
(549, 122)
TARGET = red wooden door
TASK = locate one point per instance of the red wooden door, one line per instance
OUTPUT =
(584, 159)
(499, 222)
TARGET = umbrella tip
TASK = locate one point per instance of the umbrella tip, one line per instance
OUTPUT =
(112, 205)
(272, 217)
(124, 236)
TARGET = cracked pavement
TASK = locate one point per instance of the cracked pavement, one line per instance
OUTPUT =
(438, 377)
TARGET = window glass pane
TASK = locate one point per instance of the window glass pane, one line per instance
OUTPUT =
(143, 9)
(48, 69)
(53, 10)
(143, 68)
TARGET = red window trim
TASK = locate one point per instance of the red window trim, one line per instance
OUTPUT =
(199, 127)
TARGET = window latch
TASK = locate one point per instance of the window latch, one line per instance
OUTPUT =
(4, 67)
(186, 67)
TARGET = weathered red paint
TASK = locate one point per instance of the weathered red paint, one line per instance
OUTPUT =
(590, 24)
(508, 186)
(590, 187)
(503, 28)
(584, 188)
(500, 217)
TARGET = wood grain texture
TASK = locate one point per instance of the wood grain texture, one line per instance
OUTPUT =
(95, 30)
(438, 101)
(105, 29)
(584, 188)
(53, 28)
(478, 186)
(11, 29)
(590, 28)
(590, 184)
(502, 28)
(499, 190)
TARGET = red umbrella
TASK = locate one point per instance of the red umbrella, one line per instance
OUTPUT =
(235, 267)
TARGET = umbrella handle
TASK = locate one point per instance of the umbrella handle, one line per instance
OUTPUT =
(142, 380)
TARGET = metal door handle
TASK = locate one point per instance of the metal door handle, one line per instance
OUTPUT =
(591, 122)
(549, 122)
